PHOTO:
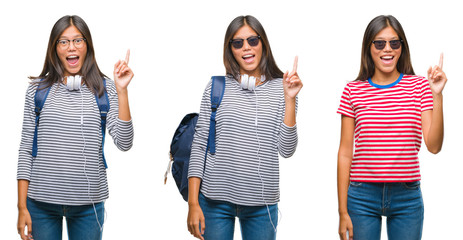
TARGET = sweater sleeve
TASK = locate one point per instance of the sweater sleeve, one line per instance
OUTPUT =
(27, 136)
(199, 145)
(287, 137)
(121, 131)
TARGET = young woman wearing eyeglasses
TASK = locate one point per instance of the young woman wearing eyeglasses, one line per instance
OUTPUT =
(255, 122)
(385, 113)
(67, 177)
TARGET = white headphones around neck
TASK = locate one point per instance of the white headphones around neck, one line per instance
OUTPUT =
(73, 82)
(248, 82)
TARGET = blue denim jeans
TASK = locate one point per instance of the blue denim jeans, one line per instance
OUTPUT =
(255, 222)
(47, 221)
(401, 203)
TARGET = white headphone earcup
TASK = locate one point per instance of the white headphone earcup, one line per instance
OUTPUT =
(77, 82)
(73, 82)
(252, 83)
(70, 82)
(248, 82)
(244, 81)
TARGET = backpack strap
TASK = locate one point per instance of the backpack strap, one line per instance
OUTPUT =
(217, 90)
(103, 105)
(40, 96)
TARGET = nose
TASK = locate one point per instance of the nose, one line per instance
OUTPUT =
(246, 45)
(387, 48)
(71, 46)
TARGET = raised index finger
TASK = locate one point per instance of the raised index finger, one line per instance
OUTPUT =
(295, 65)
(127, 56)
(441, 60)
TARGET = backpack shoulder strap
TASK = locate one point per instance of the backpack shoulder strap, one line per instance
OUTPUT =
(40, 96)
(217, 90)
(103, 106)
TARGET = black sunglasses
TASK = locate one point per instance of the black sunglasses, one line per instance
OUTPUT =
(252, 41)
(381, 44)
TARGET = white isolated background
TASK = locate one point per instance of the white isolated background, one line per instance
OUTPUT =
(177, 45)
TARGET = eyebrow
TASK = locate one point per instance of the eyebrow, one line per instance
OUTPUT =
(382, 38)
(239, 38)
(75, 36)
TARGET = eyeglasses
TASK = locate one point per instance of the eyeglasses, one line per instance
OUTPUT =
(381, 44)
(64, 43)
(238, 43)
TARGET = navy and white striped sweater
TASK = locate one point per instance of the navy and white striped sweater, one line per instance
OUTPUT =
(249, 135)
(69, 169)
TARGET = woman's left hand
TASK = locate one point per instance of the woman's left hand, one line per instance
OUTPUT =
(122, 73)
(291, 82)
(437, 77)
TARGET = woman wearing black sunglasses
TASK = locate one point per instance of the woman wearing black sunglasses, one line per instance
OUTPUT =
(255, 121)
(385, 113)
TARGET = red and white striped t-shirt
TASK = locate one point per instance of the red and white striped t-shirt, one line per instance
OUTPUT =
(387, 127)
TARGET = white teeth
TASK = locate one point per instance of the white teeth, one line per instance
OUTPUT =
(72, 57)
(387, 57)
(247, 56)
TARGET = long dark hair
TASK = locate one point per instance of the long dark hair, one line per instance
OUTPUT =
(267, 65)
(367, 66)
(53, 70)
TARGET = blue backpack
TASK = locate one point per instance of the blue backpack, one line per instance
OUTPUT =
(39, 99)
(180, 147)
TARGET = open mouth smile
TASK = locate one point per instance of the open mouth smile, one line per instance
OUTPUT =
(72, 60)
(249, 58)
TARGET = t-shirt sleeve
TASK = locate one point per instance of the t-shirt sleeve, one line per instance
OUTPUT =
(426, 96)
(345, 107)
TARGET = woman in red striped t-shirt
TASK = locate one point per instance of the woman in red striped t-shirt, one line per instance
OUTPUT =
(385, 112)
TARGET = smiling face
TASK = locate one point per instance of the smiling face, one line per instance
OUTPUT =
(248, 57)
(71, 58)
(386, 59)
